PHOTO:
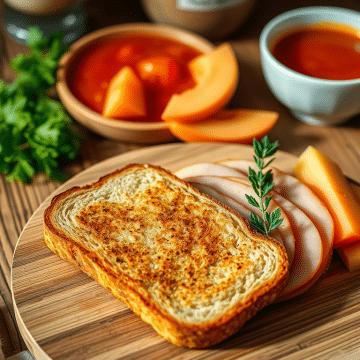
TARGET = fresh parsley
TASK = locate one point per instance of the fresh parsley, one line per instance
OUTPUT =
(262, 183)
(36, 133)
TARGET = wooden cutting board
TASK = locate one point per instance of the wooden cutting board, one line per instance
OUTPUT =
(63, 314)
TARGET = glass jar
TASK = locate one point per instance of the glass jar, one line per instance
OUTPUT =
(213, 19)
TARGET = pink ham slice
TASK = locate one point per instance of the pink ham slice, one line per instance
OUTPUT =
(309, 246)
(308, 255)
(298, 193)
(202, 169)
(295, 191)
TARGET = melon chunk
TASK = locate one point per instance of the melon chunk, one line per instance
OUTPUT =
(232, 125)
(350, 254)
(216, 75)
(125, 97)
(326, 179)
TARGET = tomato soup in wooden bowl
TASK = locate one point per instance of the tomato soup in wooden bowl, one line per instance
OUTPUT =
(141, 64)
(311, 61)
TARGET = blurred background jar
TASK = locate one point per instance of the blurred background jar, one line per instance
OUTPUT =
(213, 19)
(67, 16)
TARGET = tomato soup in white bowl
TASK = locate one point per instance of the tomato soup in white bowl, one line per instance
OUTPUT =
(311, 62)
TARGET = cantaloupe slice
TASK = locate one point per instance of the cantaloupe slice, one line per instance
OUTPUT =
(326, 179)
(216, 74)
(125, 96)
(350, 254)
(232, 125)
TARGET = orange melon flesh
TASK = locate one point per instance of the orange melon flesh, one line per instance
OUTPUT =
(216, 75)
(350, 254)
(233, 125)
(326, 179)
(125, 97)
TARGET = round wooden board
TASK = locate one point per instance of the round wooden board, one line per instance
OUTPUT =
(63, 314)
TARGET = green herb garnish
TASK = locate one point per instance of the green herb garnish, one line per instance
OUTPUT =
(262, 183)
(36, 133)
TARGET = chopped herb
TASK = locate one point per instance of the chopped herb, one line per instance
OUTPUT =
(36, 132)
(262, 183)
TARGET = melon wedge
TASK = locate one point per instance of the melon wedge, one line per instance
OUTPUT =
(216, 75)
(350, 254)
(125, 96)
(326, 179)
(232, 125)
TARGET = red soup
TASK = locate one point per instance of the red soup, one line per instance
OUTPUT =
(326, 51)
(160, 63)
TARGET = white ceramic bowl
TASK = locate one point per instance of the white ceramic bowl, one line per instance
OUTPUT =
(121, 130)
(311, 100)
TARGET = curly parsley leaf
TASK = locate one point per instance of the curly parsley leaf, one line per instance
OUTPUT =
(36, 133)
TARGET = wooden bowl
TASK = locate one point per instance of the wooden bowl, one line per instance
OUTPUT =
(120, 130)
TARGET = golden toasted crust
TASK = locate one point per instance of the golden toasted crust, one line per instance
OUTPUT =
(186, 264)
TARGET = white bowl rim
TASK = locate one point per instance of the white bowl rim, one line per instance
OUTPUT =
(96, 35)
(293, 13)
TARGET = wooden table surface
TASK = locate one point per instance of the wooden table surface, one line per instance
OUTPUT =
(18, 202)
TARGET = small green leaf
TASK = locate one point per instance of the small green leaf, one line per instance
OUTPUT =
(267, 202)
(267, 188)
(258, 162)
(275, 214)
(271, 150)
(252, 201)
(275, 224)
(267, 217)
(258, 149)
(265, 142)
(257, 223)
(259, 178)
(268, 176)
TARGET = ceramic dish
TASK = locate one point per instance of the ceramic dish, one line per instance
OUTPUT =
(312, 100)
(120, 130)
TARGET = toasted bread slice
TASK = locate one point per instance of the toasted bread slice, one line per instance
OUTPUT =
(186, 264)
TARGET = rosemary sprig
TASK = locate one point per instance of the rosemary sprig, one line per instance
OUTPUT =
(262, 183)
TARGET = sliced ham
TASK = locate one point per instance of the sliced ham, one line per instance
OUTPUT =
(308, 254)
(202, 169)
(295, 191)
